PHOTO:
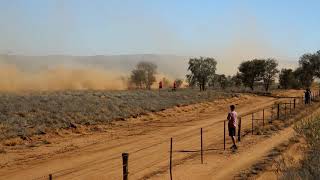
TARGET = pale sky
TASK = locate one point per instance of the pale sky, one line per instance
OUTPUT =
(223, 29)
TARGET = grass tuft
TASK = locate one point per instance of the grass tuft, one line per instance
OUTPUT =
(310, 165)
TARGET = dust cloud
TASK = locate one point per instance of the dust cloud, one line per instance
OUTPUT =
(247, 41)
(64, 77)
(60, 78)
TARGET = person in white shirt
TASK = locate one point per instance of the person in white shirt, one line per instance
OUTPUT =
(232, 124)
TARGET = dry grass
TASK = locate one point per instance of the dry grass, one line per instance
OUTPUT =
(36, 113)
(2, 151)
(275, 156)
(310, 165)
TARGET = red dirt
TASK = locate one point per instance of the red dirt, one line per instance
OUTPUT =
(146, 139)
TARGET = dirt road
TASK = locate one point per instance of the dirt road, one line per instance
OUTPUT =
(146, 139)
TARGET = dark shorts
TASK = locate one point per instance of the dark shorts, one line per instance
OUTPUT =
(232, 131)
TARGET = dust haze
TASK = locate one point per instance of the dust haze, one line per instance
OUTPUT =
(59, 78)
(245, 41)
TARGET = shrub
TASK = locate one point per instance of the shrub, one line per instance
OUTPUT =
(310, 165)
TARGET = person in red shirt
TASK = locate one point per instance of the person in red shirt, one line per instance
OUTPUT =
(160, 85)
(232, 124)
(174, 86)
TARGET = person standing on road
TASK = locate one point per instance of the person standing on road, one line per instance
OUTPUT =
(310, 95)
(232, 124)
(174, 86)
(307, 96)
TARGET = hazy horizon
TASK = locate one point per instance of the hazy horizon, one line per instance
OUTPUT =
(166, 32)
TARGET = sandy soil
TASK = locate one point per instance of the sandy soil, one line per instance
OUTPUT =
(79, 155)
(226, 165)
(98, 156)
(291, 157)
(292, 92)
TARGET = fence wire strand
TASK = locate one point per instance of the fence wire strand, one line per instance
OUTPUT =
(269, 115)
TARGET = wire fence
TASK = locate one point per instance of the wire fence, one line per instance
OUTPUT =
(163, 157)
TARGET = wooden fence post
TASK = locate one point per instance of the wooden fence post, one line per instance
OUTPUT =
(224, 135)
(278, 111)
(171, 159)
(201, 147)
(313, 96)
(285, 111)
(125, 157)
(50, 176)
(263, 117)
(290, 107)
(271, 115)
(252, 125)
(239, 130)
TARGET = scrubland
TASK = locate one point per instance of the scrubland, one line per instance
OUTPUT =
(308, 167)
(30, 113)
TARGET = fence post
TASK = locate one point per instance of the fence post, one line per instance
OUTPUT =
(50, 176)
(171, 159)
(294, 103)
(290, 107)
(271, 115)
(285, 111)
(201, 148)
(125, 157)
(278, 111)
(239, 130)
(252, 125)
(263, 117)
(224, 135)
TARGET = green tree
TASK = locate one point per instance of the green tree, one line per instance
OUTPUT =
(304, 77)
(138, 78)
(287, 78)
(179, 82)
(223, 81)
(311, 63)
(269, 72)
(236, 80)
(212, 80)
(165, 82)
(144, 74)
(309, 68)
(251, 72)
(201, 70)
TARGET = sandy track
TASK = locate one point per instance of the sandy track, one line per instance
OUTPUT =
(226, 165)
(148, 149)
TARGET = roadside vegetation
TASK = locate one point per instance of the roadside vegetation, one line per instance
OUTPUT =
(304, 75)
(39, 112)
(256, 75)
(309, 167)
